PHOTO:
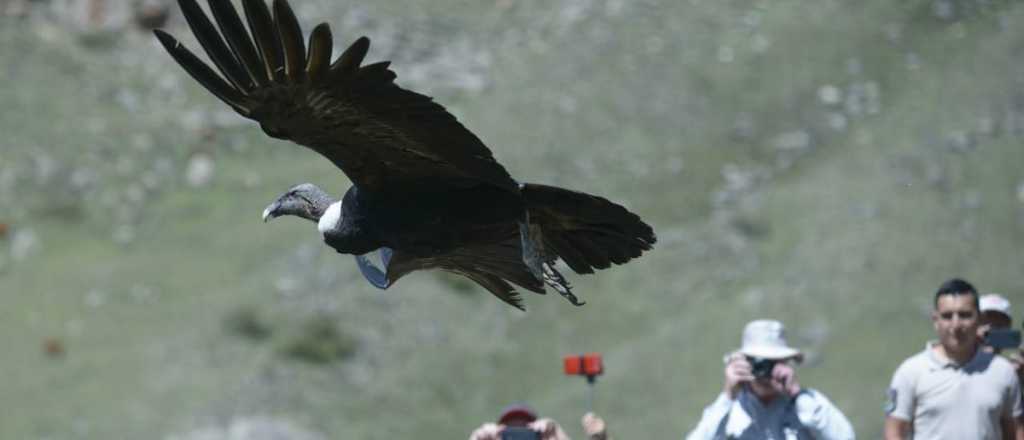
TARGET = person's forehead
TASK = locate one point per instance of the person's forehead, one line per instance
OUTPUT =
(956, 302)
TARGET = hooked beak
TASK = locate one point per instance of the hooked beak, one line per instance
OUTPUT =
(271, 211)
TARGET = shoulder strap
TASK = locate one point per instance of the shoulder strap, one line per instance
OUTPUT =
(720, 430)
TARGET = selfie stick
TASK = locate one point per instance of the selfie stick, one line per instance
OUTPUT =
(588, 365)
(591, 379)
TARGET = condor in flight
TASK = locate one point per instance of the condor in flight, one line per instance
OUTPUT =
(426, 193)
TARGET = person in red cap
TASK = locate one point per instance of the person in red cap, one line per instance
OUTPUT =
(520, 415)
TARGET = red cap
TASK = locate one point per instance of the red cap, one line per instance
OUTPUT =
(517, 411)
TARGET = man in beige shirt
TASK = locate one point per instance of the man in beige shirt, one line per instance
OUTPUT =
(954, 389)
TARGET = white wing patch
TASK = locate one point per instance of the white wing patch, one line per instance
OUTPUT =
(330, 219)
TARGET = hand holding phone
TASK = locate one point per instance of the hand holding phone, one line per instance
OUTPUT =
(1003, 338)
(519, 433)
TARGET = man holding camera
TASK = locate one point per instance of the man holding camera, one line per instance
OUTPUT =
(762, 398)
(954, 389)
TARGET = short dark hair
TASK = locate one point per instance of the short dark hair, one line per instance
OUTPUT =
(954, 287)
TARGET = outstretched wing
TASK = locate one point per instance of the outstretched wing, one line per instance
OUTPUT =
(495, 267)
(379, 134)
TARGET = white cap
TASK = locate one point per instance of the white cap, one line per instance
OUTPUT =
(994, 302)
(766, 338)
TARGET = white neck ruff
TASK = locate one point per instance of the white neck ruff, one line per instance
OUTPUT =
(330, 219)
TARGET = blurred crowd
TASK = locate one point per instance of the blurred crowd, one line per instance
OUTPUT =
(965, 384)
(96, 14)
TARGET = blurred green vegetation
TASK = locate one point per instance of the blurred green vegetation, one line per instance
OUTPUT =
(826, 163)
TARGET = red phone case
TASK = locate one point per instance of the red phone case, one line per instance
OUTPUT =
(588, 364)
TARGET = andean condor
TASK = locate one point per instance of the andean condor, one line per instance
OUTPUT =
(426, 193)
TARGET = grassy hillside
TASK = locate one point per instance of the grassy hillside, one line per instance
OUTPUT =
(825, 163)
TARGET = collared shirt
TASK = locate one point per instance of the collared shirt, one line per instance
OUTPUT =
(809, 416)
(944, 400)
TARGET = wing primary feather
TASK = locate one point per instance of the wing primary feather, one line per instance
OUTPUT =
(214, 46)
(376, 73)
(262, 27)
(320, 47)
(347, 64)
(238, 39)
(290, 32)
(498, 287)
(202, 73)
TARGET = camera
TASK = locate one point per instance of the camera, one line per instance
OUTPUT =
(519, 433)
(1003, 338)
(761, 368)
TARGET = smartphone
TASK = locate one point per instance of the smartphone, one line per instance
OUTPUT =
(1003, 338)
(519, 433)
(588, 364)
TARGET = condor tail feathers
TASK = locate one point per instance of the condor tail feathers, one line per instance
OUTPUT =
(587, 232)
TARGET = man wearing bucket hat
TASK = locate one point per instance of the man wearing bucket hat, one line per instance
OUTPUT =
(762, 399)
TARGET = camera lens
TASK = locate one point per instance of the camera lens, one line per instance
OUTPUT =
(761, 368)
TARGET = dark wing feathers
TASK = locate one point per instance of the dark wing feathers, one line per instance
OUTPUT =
(379, 134)
(350, 59)
(262, 26)
(376, 74)
(202, 73)
(498, 287)
(570, 254)
(587, 232)
(238, 39)
(212, 43)
(319, 58)
(290, 33)
(493, 266)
